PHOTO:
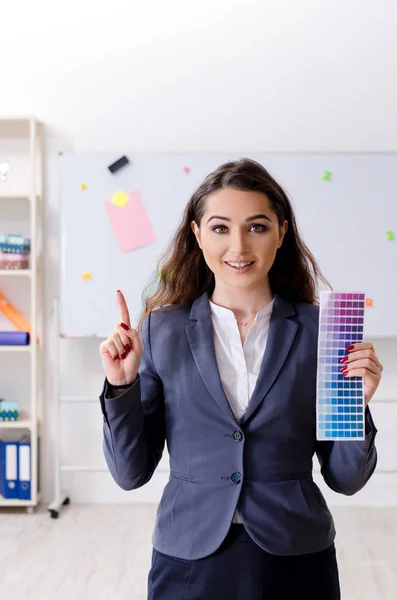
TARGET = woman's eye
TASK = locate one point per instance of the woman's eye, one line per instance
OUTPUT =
(258, 228)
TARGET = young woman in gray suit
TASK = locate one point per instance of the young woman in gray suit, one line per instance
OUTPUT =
(223, 368)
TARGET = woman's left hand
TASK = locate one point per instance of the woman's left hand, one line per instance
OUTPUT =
(363, 362)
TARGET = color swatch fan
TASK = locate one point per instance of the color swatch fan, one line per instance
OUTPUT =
(340, 400)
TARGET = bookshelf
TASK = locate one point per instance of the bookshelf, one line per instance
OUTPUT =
(21, 194)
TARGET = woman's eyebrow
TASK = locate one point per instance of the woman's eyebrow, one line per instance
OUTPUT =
(261, 216)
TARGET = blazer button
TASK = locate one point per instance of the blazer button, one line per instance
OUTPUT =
(238, 436)
(236, 478)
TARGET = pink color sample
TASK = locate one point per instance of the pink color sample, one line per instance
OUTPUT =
(187, 170)
(131, 225)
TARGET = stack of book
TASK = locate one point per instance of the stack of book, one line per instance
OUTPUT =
(14, 252)
(9, 410)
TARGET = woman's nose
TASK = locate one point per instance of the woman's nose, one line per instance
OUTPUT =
(238, 244)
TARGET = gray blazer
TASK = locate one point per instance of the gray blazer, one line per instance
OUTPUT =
(263, 464)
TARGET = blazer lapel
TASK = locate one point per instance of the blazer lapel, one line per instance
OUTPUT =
(282, 332)
(200, 335)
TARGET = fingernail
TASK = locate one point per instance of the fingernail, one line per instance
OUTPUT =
(124, 326)
(345, 373)
(127, 348)
(344, 359)
(343, 369)
(118, 291)
(122, 356)
(349, 347)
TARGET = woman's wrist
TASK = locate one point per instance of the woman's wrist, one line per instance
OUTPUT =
(120, 387)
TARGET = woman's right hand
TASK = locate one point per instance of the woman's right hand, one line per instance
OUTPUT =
(121, 352)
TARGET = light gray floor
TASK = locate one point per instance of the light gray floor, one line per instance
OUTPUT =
(102, 552)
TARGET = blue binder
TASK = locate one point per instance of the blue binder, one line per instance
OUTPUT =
(24, 470)
(9, 469)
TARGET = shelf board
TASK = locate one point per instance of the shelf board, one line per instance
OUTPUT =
(13, 197)
(19, 120)
(22, 424)
(16, 348)
(18, 197)
(18, 127)
(16, 502)
(15, 272)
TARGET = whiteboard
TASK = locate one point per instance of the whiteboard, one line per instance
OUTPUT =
(343, 221)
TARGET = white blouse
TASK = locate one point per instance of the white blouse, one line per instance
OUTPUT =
(239, 364)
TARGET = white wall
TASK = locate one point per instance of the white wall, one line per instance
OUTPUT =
(212, 75)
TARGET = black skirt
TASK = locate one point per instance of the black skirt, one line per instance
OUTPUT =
(241, 570)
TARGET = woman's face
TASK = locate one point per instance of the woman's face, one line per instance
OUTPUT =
(239, 227)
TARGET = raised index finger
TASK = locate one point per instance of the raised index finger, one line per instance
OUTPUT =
(123, 308)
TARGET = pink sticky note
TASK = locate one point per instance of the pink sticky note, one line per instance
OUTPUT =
(187, 170)
(131, 225)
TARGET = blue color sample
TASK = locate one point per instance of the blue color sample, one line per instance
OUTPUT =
(340, 400)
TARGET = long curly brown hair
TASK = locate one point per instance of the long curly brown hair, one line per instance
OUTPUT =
(183, 274)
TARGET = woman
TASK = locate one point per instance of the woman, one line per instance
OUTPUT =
(240, 517)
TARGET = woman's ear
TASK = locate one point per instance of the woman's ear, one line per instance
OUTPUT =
(196, 231)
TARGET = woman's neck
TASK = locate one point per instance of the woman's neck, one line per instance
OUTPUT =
(244, 303)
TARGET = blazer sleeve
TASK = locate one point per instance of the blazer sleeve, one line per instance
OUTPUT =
(134, 424)
(346, 466)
